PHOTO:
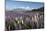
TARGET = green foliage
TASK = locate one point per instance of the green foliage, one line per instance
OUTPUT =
(12, 26)
(28, 26)
(39, 9)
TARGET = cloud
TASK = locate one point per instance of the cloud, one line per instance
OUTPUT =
(26, 8)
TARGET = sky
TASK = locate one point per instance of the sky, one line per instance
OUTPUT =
(10, 4)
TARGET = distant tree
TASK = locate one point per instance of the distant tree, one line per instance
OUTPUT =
(39, 9)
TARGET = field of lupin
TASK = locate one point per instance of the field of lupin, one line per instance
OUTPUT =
(23, 15)
(21, 20)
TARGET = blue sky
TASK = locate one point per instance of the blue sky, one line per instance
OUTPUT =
(26, 5)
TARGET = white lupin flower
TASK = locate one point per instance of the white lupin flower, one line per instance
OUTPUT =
(22, 22)
(21, 17)
(18, 22)
(16, 18)
(35, 18)
(32, 19)
(9, 27)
